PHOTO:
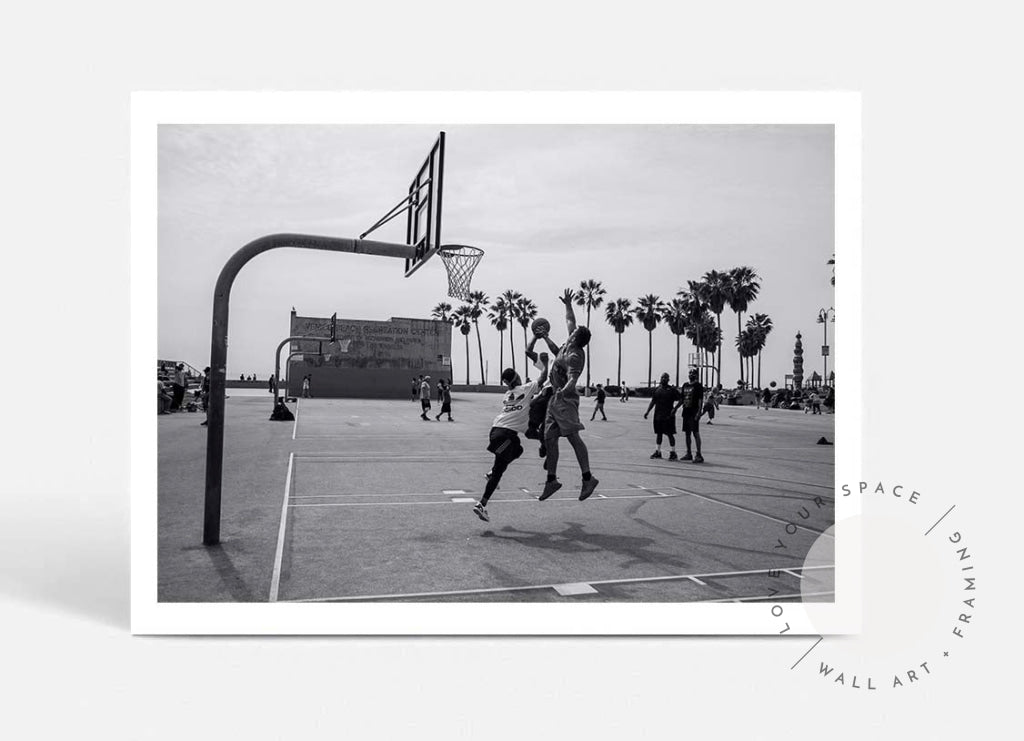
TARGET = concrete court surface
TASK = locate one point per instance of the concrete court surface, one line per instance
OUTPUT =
(361, 499)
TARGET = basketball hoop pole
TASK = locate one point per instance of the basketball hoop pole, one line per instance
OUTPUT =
(277, 359)
(219, 346)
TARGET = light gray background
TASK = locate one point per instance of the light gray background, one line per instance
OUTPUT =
(942, 159)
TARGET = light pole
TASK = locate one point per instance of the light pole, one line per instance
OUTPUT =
(823, 320)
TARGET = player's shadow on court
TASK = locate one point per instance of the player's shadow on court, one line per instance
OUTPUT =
(575, 539)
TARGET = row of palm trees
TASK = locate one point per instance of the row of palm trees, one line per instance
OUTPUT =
(695, 312)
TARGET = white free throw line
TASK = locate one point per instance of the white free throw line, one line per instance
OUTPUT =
(753, 512)
(275, 580)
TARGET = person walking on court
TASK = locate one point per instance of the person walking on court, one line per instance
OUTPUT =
(416, 388)
(599, 406)
(563, 419)
(692, 403)
(307, 384)
(514, 418)
(425, 398)
(445, 399)
(664, 402)
(709, 406)
(624, 394)
(271, 382)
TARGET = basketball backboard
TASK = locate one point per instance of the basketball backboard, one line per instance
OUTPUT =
(422, 206)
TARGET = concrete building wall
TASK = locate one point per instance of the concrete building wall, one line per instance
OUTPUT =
(372, 359)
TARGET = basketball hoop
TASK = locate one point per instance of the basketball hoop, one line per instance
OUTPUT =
(460, 261)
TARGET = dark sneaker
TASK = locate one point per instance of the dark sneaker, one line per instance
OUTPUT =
(588, 488)
(481, 511)
(672, 456)
(687, 457)
(699, 458)
(550, 488)
(656, 454)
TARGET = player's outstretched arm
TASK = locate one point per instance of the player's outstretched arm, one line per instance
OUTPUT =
(651, 406)
(570, 315)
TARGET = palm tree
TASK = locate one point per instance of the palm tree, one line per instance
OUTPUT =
(710, 338)
(526, 312)
(744, 285)
(746, 344)
(511, 300)
(441, 312)
(715, 291)
(697, 312)
(462, 318)
(832, 262)
(677, 317)
(619, 314)
(761, 325)
(591, 295)
(498, 314)
(478, 301)
(648, 311)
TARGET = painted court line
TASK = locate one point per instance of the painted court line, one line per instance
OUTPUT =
(754, 512)
(448, 492)
(570, 590)
(449, 501)
(275, 581)
(793, 573)
(592, 583)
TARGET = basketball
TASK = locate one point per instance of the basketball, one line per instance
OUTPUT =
(540, 326)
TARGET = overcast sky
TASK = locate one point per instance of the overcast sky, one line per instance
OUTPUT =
(641, 208)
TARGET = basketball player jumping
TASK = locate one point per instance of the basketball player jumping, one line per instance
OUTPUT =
(563, 418)
(513, 419)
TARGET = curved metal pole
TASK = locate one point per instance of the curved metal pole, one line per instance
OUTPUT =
(287, 364)
(219, 346)
(277, 360)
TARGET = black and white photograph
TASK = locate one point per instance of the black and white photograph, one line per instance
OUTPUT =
(455, 364)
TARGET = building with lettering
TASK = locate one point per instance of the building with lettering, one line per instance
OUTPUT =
(375, 360)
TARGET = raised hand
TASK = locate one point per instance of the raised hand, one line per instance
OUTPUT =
(567, 297)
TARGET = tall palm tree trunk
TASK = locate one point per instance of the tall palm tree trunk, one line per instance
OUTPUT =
(650, 355)
(526, 360)
(739, 331)
(501, 353)
(619, 378)
(480, 352)
(718, 353)
(586, 391)
(512, 345)
(467, 357)
(759, 369)
(677, 360)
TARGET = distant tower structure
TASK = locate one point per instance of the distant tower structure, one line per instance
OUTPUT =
(798, 363)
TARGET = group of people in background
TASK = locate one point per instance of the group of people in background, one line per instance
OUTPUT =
(421, 390)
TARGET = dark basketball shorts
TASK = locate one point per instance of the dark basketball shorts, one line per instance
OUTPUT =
(425, 403)
(690, 422)
(504, 443)
(665, 425)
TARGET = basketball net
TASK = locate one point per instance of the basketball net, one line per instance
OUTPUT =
(460, 261)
